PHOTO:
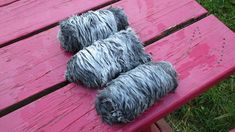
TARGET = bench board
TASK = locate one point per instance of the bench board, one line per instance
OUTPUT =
(27, 16)
(38, 63)
(202, 54)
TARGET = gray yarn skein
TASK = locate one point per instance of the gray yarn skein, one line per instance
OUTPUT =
(133, 92)
(81, 31)
(105, 59)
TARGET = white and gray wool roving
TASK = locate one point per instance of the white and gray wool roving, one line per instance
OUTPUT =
(80, 31)
(131, 93)
(105, 59)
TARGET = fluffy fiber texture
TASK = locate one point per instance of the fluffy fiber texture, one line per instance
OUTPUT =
(97, 64)
(81, 31)
(133, 92)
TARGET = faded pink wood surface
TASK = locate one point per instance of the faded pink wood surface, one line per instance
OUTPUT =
(37, 63)
(202, 54)
(150, 18)
(26, 16)
(6, 2)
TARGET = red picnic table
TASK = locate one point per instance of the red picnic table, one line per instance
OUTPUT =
(34, 95)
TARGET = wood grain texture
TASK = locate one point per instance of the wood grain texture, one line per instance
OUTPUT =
(150, 18)
(37, 63)
(25, 72)
(27, 16)
(202, 54)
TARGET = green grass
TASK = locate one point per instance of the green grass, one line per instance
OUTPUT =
(223, 9)
(212, 111)
(215, 109)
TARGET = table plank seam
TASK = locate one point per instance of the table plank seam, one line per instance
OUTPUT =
(32, 98)
(175, 29)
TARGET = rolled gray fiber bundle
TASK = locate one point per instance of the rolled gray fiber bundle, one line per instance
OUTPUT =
(131, 93)
(81, 31)
(105, 59)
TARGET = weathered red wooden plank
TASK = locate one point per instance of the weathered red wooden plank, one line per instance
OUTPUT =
(25, 72)
(26, 16)
(202, 54)
(6, 2)
(150, 18)
(37, 63)
(67, 100)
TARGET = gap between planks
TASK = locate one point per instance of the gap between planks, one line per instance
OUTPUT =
(32, 98)
(175, 29)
